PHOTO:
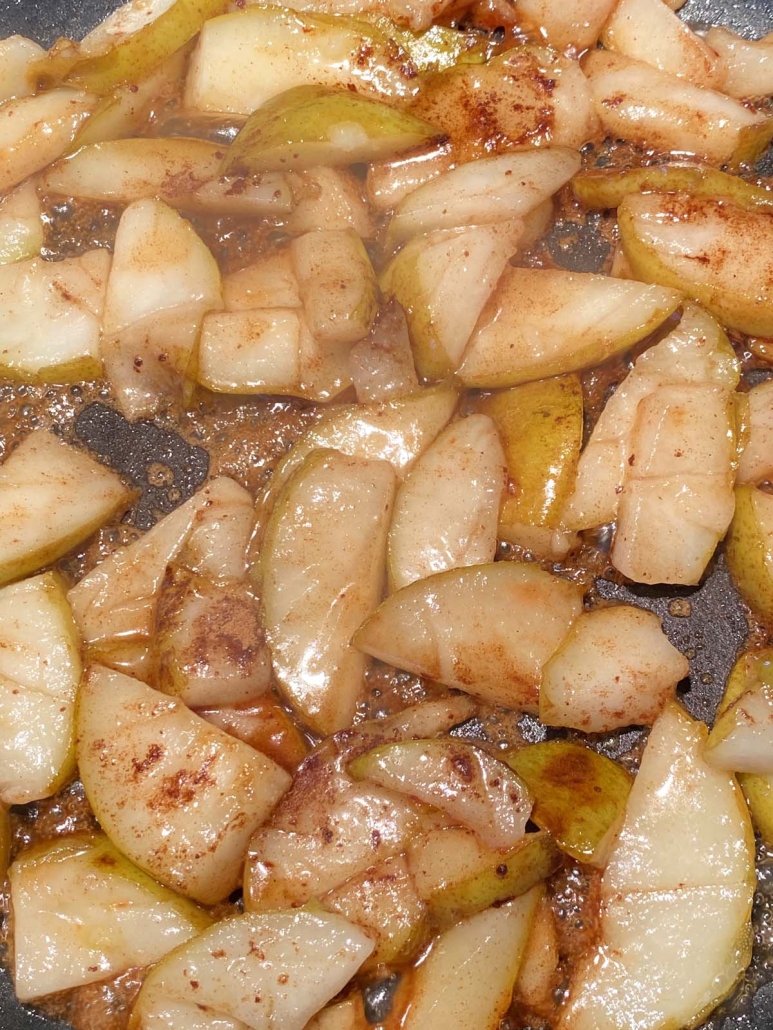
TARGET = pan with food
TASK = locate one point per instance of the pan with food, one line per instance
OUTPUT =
(385, 516)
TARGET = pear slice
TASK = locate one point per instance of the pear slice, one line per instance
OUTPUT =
(52, 496)
(270, 282)
(467, 979)
(700, 245)
(541, 426)
(579, 795)
(264, 725)
(221, 531)
(348, 1014)
(616, 668)
(539, 972)
(575, 23)
(446, 511)
(17, 59)
(309, 125)
(381, 365)
(747, 63)
(321, 571)
(40, 668)
(683, 861)
(467, 784)
(756, 461)
(251, 351)
(5, 841)
(51, 314)
(197, 794)
(82, 913)
(487, 191)
(749, 548)
(546, 322)
(488, 629)
(328, 199)
(742, 737)
(21, 225)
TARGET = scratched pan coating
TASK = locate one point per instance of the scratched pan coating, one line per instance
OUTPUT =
(706, 622)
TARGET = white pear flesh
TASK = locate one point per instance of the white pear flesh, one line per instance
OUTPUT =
(446, 511)
(40, 669)
(178, 796)
(742, 737)
(574, 23)
(52, 496)
(487, 629)
(756, 461)
(748, 63)
(18, 56)
(83, 913)
(21, 224)
(616, 668)
(252, 972)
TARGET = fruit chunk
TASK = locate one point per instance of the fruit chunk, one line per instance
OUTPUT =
(702, 246)
(488, 630)
(575, 23)
(649, 107)
(469, 785)
(741, 739)
(321, 571)
(541, 426)
(750, 548)
(381, 364)
(747, 63)
(309, 126)
(446, 511)
(253, 971)
(443, 281)
(270, 282)
(197, 794)
(539, 970)
(82, 913)
(21, 226)
(615, 668)
(683, 861)
(251, 351)
(50, 318)
(466, 981)
(244, 59)
(221, 531)
(17, 57)
(264, 725)
(40, 668)
(5, 841)
(756, 461)
(52, 496)
(542, 322)
(329, 199)
(491, 189)
(579, 795)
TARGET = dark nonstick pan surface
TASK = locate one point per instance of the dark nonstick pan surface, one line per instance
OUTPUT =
(707, 623)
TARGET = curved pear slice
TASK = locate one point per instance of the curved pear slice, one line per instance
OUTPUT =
(21, 225)
(469, 785)
(741, 739)
(467, 979)
(309, 126)
(702, 246)
(52, 496)
(17, 60)
(546, 322)
(321, 572)
(615, 668)
(251, 971)
(756, 461)
(179, 797)
(749, 548)
(446, 511)
(40, 668)
(488, 630)
(82, 913)
(747, 63)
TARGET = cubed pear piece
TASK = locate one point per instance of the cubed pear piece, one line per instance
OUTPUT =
(128, 45)
(52, 496)
(50, 318)
(656, 110)
(209, 647)
(17, 58)
(701, 245)
(546, 322)
(336, 283)
(244, 59)
(756, 461)
(270, 282)
(321, 571)
(579, 795)
(196, 794)
(162, 281)
(443, 280)
(83, 913)
(251, 351)
(40, 668)
(541, 427)
(486, 191)
(750, 548)
(309, 126)
(466, 783)
(330, 199)
(381, 364)
(446, 511)
(383, 902)
(221, 531)
(264, 725)
(34, 131)
(648, 31)
(677, 500)
(488, 629)
(683, 862)
(253, 971)
(741, 739)
(615, 668)
(467, 979)
(748, 63)
(21, 225)
(575, 23)
(458, 876)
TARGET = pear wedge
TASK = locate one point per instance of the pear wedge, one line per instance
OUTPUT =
(750, 548)
(21, 225)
